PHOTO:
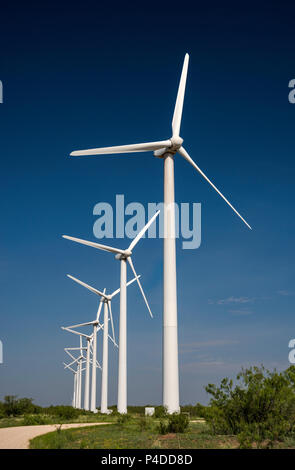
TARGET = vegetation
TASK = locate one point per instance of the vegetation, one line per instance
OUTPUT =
(23, 412)
(130, 436)
(175, 423)
(259, 409)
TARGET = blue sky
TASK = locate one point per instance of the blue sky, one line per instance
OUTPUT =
(96, 75)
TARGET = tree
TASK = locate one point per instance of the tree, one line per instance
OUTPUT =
(260, 408)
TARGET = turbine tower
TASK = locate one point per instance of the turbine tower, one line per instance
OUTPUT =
(67, 366)
(166, 149)
(124, 256)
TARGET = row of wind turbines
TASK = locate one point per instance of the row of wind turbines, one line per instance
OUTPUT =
(166, 151)
(91, 350)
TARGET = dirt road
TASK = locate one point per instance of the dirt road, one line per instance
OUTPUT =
(19, 437)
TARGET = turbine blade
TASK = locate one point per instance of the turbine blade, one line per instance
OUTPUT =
(80, 324)
(68, 367)
(184, 154)
(139, 285)
(71, 355)
(112, 322)
(128, 284)
(180, 98)
(146, 147)
(75, 332)
(109, 336)
(142, 231)
(92, 289)
(71, 363)
(94, 245)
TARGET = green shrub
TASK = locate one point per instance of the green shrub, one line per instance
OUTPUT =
(176, 423)
(123, 419)
(136, 410)
(160, 412)
(63, 412)
(13, 406)
(259, 409)
(162, 428)
(144, 423)
(30, 420)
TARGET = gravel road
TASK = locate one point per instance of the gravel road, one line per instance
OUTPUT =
(19, 437)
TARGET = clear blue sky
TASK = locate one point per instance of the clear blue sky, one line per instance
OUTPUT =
(94, 74)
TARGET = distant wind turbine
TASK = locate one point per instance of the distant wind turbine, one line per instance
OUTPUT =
(96, 327)
(124, 256)
(79, 361)
(107, 300)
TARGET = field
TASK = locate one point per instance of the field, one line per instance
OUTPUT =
(133, 435)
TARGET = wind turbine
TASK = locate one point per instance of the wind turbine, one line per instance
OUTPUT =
(88, 339)
(67, 366)
(107, 300)
(123, 256)
(96, 327)
(166, 149)
(79, 360)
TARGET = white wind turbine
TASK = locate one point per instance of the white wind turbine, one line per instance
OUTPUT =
(123, 256)
(96, 327)
(108, 315)
(88, 339)
(67, 366)
(166, 149)
(79, 361)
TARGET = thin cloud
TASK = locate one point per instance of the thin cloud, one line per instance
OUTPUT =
(232, 300)
(197, 345)
(285, 293)
(240, 312)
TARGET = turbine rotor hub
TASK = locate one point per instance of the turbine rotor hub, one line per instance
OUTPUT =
(124, 255)
(175, 141)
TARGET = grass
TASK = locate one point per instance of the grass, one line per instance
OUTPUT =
(37, 419)
(136, 433)
(132, 435)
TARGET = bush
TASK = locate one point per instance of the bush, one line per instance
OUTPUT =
(12, 406)
(136, 410)
(30, 420)
(177, 423)
(260, 409)
(123, 419)
(63, 412)
(160, 412)
(144, 423)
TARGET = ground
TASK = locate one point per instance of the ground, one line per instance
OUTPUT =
(132, 436)
(107, 432)
(18, 437)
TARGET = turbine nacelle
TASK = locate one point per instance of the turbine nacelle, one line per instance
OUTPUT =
(124, 255)
(175, 141)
